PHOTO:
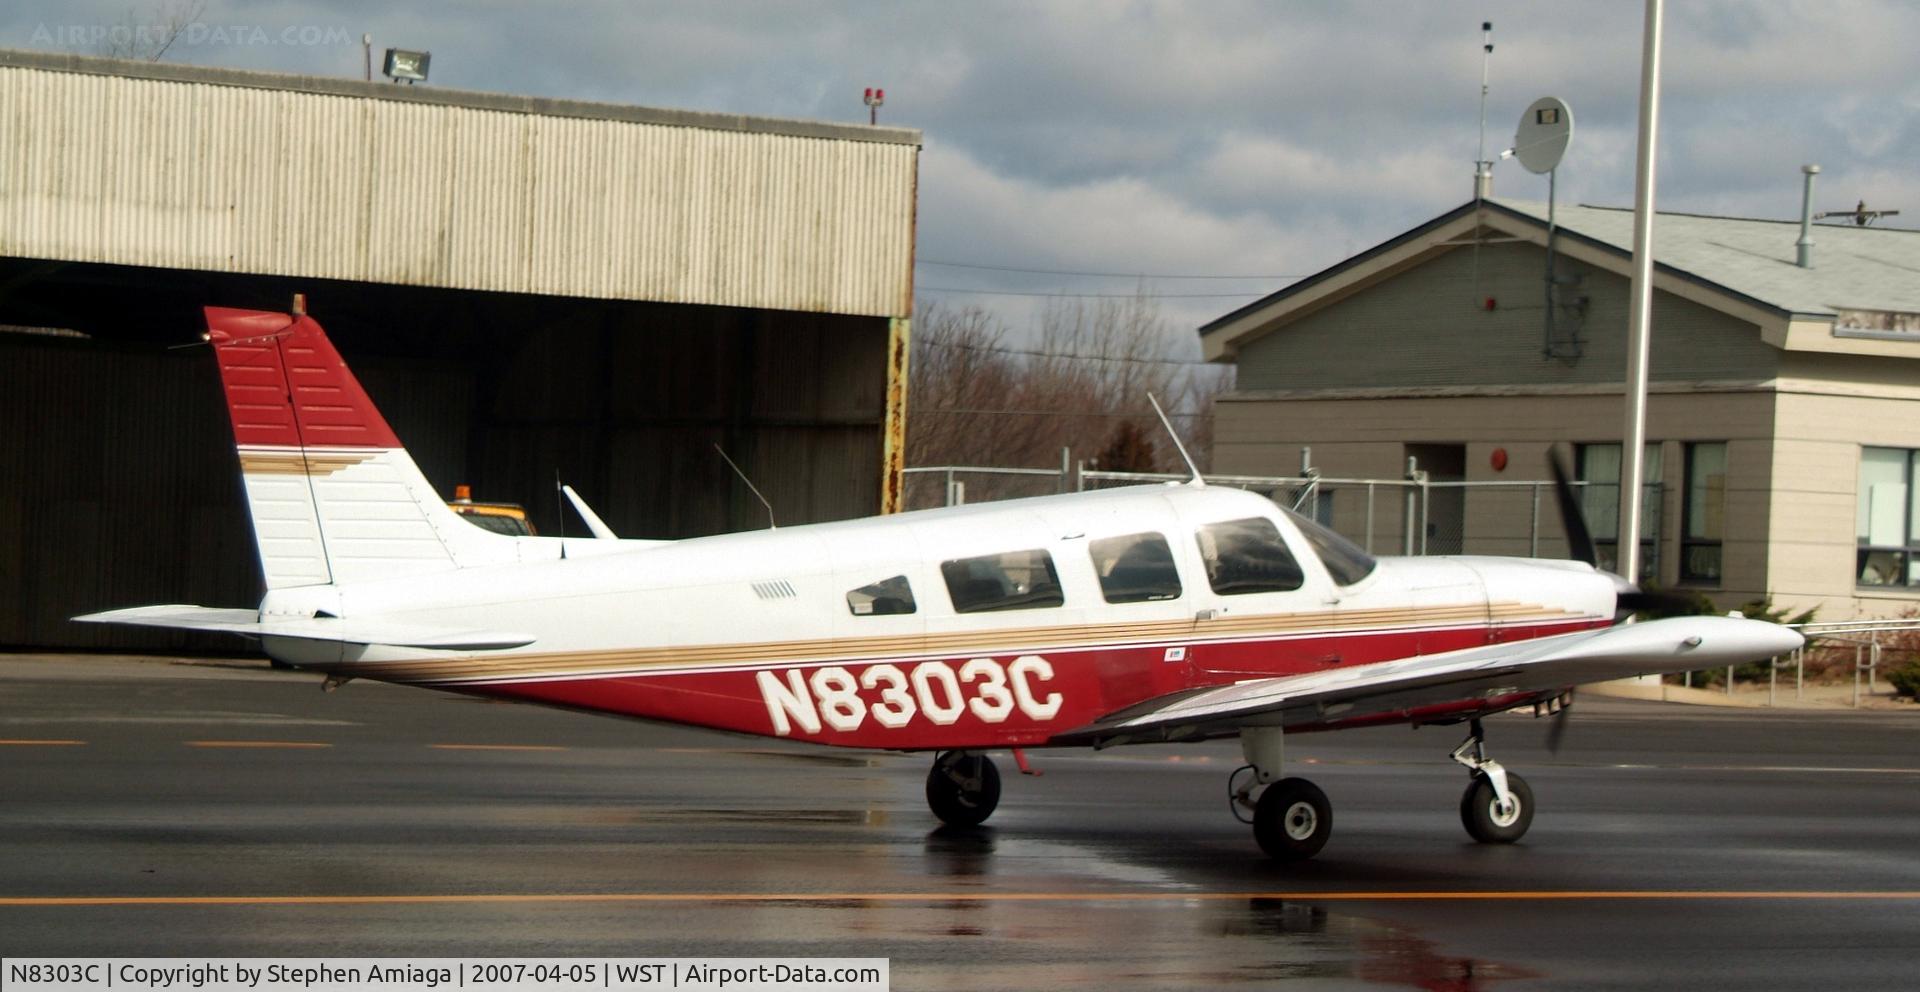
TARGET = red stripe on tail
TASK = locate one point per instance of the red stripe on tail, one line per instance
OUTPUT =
(265, 355)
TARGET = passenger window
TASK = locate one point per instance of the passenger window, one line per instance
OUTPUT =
(887, 597)
(1247, 556)
(1136, 568)
(1014, 580)
(1346, 561)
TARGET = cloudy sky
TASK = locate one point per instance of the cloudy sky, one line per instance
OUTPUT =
(1154, 140)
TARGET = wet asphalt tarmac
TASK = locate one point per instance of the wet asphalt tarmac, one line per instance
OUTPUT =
(153, 809)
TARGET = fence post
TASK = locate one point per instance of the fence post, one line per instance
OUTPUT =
(1799, 670)
(1856, 676)
(1426, 511)
(1407, 538)
(1066, 467)
(1369, 544)
(1533, 526)
(1729, 681)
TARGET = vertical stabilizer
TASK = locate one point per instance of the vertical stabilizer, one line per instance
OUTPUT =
(333, 495)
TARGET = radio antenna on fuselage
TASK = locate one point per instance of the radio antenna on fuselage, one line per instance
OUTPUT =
(1196, 481)
(750, 486)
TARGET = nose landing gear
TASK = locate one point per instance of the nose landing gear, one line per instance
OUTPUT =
(1497, 807)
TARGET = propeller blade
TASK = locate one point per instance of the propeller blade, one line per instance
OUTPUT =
(1658, 602)
(1572, 518)
(1557, 730)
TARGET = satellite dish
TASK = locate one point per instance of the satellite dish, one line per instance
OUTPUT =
(1545, 129)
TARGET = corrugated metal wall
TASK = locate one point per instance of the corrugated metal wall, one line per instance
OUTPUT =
(117, 480)
(261, 174)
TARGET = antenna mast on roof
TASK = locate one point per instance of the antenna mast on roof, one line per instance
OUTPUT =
(1482, 166)
(1860, 215)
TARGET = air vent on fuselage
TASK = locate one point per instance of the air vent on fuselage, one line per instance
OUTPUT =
(778, 589)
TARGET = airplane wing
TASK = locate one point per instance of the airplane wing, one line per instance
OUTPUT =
(1678, 644)
(335, 629)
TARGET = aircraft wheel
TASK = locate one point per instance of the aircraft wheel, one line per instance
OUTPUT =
(963, 789)
(1292, 820)
(1486, 821)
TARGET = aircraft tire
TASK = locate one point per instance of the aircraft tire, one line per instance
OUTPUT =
(954, 803)
(1292, 820)
(1485, 822)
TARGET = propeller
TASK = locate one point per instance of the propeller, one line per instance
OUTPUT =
(1628, 596)
(1557, 730)
(1572, 518)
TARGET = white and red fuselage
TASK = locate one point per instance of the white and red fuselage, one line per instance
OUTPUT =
(753, 632)
(768, 632)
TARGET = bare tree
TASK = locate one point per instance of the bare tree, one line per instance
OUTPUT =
(148, 35)
(983, 396)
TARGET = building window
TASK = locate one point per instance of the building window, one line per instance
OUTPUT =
(1888, 517)
(1599, 468)
(1705, 512)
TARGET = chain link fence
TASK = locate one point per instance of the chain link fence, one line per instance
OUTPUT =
(1412, 516)
(1421, 516)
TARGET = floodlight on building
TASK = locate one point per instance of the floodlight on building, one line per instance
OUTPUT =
(403, 64)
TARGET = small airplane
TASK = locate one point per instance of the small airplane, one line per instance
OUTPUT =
(1174, 612)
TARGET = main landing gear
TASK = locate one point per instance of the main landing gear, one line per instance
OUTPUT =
(963, 788)
(1292, 818)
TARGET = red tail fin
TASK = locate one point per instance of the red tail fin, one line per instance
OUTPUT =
(334, 497)
(288, 387)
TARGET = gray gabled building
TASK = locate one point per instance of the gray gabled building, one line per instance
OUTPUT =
(1784, 407)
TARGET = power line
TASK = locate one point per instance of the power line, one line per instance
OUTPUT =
(1064, 354)
(1093, 275)
(1055, 413)
(1115, 296)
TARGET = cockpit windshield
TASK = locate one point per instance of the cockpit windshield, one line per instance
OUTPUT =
(1346, 561)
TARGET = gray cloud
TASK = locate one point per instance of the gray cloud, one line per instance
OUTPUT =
(1217, 137)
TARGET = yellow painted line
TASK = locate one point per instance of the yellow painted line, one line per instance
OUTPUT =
(1601, 895)
(28, 743)
(496, 747)
(257, 744)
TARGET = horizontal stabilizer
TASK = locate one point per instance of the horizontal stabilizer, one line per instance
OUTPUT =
(335, 629)
(1677, 644)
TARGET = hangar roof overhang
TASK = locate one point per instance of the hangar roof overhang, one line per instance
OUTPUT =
(134, 163)
(1859, 298)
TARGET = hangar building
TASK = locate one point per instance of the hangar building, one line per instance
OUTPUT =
(529, 288)
(1783, 416)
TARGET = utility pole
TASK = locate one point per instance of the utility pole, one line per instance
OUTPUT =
(874, 98)
(1640, 313)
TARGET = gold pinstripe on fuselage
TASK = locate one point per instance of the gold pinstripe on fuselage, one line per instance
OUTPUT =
(585, 664)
